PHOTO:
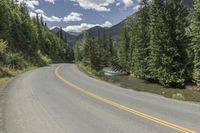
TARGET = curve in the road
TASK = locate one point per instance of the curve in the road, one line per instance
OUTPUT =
(122, 107)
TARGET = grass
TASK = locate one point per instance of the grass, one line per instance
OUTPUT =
(7, 73)
(130, 82)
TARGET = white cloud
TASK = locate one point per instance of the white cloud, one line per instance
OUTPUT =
(75, 4)
(52, 19)
(39, 11)
(73, 17)
(98, 5)
(84, 26)
(46, 18)
(136, 8)
(107, 24)
(127, 3)
(50, 1)
(118, 3)
(32, 14)
(102, 5)
(30, 3)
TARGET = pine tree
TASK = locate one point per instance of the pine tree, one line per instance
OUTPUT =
(157, 39)
(104, 40)
(98, 56)
(99, 41)
(87, 45)
(195, 42)
(175, 59)
(132, 26)
(167, 60)
(41, 20)
(61, 33)
(5, 19)
(123, 52)
(78, 52)
(16, 33)
(24, 10)
(141, 40)
(110, 43)
(94, 55)
(37, 19)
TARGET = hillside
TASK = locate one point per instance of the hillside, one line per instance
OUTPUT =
(26, 41)
(67, 37)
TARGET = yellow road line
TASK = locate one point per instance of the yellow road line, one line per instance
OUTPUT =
(122, 107)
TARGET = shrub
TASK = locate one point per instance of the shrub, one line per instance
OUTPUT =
(44, 59)
(15, 61)
(178, 96)
(10, 59)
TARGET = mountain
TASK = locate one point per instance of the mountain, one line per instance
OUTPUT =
(72, 38)
(94, 30)
(115, 30)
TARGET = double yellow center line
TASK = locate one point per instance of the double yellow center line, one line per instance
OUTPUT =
(122, 107)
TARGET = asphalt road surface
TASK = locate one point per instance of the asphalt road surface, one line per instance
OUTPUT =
(61, 99)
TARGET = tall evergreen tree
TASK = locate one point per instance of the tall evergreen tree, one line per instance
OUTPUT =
(37, 19)
(104, 40)
(61, 33)
(5, 19)
(87, 46)
(41, 20)
(175, 59)
(195, 42)
(110, 44)
(99, 41)
(167, 61)
(158, 35)
(141, 38)
(123, 52)
(93, 53)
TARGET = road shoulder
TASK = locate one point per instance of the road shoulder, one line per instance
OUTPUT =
(3, 95)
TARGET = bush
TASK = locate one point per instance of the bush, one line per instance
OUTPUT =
(10, 59)
(178, 96)
(44, 59)
(15, 61)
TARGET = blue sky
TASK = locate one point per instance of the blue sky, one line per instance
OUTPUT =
(79, 15)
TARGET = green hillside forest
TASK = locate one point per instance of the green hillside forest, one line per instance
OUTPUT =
(26, 41)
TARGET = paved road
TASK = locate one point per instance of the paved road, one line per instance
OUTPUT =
(61, 99)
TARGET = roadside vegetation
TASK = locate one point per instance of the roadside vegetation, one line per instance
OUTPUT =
(130, 82)
(159, 46)
(27, 42)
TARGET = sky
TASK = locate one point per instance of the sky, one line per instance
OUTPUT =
(80, 15)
